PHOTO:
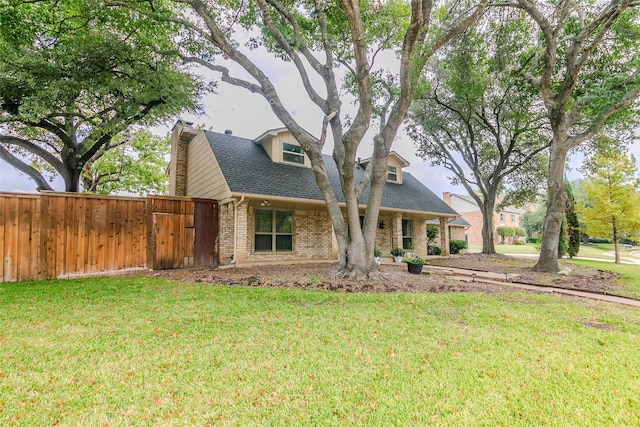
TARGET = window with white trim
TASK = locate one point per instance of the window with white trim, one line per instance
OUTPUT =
(392, 173)
(273, 230)
(512, 217)
(407, 235)
(292, 153)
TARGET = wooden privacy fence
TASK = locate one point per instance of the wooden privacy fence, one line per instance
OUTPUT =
(52, 235)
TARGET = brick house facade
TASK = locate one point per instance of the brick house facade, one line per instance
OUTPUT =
(468, 209)
(270, 209)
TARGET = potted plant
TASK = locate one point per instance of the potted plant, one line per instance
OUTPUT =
(376, 255)
(415, 264)
(409, 249)
(397, 254)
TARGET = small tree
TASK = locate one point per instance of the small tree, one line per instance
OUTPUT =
(432, 233)
(505, 232)
(518, 232)
(612, 198)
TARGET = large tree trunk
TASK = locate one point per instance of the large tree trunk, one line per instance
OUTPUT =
(72, 181)
(488, 243)
(556, 203)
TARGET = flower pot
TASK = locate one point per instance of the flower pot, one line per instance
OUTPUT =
(397, 259)
(414, 268)
(377, 259)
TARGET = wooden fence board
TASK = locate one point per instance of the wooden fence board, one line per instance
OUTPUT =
(51, 235)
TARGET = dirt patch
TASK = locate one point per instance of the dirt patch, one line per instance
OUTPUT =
(320, 276)
(582, 278)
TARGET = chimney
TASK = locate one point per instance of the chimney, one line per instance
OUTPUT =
(446, 197)
(228, 132)
(178, 162)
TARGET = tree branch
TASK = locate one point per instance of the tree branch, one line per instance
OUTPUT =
(41, 183)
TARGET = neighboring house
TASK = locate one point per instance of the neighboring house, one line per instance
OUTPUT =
(270, 208)
(468, 209)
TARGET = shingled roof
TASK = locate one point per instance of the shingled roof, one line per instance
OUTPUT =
(248, 169)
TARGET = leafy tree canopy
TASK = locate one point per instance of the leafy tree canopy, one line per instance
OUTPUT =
(76, 73)
(136, 166)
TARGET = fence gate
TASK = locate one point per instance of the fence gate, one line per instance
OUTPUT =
(185, 232)
(205, 251)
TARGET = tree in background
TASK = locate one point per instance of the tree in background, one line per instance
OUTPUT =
(136, 166)
(533, 220)
(583, 62)
(612, 196)
(480, 121)
(573, 225)
(505, 232)
(317, 38)
(75, 76)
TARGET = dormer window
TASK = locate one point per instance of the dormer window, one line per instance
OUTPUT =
(392, 174)
(292, 153)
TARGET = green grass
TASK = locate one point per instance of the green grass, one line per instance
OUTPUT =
(142, 351)
(630, 280)
(587, 251)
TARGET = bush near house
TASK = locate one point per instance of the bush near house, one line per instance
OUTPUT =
(455, 246)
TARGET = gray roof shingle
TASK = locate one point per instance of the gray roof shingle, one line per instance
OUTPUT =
(248, 169)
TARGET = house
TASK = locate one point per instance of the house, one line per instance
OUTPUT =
(270, 209)
(508, 216)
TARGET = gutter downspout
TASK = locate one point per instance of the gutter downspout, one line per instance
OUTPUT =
(236, 203)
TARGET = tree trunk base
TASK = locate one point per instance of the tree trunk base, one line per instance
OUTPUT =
(359, 274)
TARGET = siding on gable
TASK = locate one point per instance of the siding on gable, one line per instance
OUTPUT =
(204, 177)
(391, 161)
(276, 154)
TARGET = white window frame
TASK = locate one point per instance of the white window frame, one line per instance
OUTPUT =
(294, 154)
(392, 171)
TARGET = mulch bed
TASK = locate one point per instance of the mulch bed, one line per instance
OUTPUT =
(321, 276)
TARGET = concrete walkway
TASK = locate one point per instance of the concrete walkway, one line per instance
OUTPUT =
(511, 280)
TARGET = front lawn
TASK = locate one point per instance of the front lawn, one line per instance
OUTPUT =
(147, 351)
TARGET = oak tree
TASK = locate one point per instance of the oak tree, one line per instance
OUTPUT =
(480, 120)
(74, 75)
(583, 62)
(323, 40)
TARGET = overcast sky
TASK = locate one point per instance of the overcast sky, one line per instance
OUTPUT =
(248, 115)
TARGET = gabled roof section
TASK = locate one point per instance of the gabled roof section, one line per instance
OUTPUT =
(248, 169)
(392, 154)
(269, 134)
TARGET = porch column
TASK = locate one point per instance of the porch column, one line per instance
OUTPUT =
(397, 231)
(420, 237)
(444, 236)
(242, 230)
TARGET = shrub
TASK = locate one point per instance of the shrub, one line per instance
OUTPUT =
(377, 252)
(456, 245)
(434, 250)
(599, 240)
(518, 242)
(533, 240)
